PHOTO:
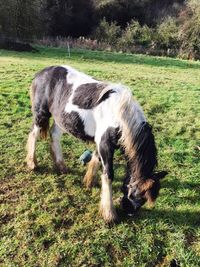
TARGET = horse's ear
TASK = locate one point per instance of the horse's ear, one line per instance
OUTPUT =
(160, 175)
(147, 184)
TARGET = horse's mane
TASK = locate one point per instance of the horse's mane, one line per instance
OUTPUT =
(136, 137)
(145, 158)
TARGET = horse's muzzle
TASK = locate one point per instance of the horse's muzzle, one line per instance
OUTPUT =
(131, 206)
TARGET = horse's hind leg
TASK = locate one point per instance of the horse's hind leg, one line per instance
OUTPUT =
(93, 167)
(32, 138)
(56, 149)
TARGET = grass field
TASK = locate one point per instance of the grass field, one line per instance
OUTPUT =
(52, 220)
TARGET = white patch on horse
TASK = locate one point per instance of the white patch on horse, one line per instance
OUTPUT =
(77, 78)
(104, 114)
(32, 138)
(86, 116)
(106, 206)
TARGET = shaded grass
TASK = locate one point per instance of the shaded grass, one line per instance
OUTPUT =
(51, 220)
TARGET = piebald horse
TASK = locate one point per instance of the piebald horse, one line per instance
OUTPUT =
(106, 114)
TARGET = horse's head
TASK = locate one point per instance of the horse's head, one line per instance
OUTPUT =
(137, 193)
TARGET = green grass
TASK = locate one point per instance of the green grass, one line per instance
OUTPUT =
(52, 220)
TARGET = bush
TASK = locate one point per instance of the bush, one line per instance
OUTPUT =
(15, 45)
(167, 34)
(108, 33)
(135, 35)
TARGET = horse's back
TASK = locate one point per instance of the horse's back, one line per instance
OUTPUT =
(78, 103)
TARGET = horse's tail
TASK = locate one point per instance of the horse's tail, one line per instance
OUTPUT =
(40, 108)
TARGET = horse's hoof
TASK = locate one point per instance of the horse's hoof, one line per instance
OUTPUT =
(64, 170)
(61, 168)
(87, 181)
(31, 163)
(90, 181)
(31, 166)
(109, 216)
(87, 184)
(111, 220)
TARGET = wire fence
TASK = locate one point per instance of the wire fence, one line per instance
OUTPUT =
(25, 44)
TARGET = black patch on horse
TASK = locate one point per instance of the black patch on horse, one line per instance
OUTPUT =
(50, 92)
(39, 93)
(51, 83)
(87, 95)
(108, 144)
(74, 125)
(58, 75)
(59, 89)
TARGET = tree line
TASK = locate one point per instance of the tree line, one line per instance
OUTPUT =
(125, 25)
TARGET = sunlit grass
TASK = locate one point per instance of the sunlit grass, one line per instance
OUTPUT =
(51, 220)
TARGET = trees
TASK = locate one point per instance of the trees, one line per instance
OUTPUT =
(167, 34)
(147, 12)
(29, 18)
(68, 17)
(20, 18)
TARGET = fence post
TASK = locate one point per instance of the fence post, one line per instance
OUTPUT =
(68, 49)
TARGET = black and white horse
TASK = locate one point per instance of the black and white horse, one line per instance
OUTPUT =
(102, 112)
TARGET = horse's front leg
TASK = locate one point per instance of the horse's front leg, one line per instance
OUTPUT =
(107, 209)
(56, 150)
(106, 152)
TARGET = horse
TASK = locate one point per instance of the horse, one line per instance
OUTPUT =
(104, 113)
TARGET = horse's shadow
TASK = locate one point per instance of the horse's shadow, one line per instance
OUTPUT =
(188, 216)
(173, 216)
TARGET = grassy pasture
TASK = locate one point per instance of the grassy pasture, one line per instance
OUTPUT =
(52, 220)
